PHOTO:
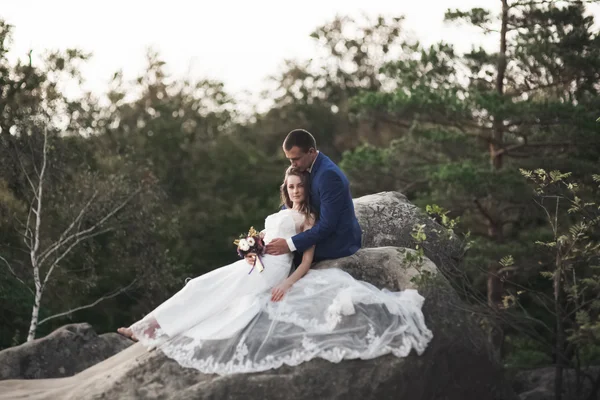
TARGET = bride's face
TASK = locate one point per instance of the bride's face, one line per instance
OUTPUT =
(295, 189)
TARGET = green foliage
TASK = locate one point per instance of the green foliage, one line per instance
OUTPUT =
(419, 236)
(525, 354)
(574, 248)
(369, 167)
(507, 261)
(475, 16)
(465, 126)
(424, 278)
(217, 177)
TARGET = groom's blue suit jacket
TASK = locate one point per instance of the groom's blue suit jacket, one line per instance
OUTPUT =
(337, 232)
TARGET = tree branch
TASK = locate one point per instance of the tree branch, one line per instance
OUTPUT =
(483, 211)
(39, 193)
(90, 229)
(508, 149)
(28, 232)
(68, 250)
(106, 297)
(15, 275)
(61, 240)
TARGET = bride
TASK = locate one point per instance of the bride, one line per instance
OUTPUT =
(231, 320)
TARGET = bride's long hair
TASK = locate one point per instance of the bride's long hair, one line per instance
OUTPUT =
(285, 197)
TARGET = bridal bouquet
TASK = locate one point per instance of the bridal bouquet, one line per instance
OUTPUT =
(250, 243)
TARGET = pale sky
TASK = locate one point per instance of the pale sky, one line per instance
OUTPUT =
(237, 42)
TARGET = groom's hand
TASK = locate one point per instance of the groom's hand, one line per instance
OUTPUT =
(277, 247)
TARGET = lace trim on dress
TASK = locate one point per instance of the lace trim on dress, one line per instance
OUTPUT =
(307, 350)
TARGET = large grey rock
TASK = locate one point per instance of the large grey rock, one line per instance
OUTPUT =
(65, 352)
(535, 384)
(455, 366)
(388, 218)
(384, 267)
(538, 384)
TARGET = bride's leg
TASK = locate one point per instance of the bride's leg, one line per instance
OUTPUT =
(208, 295)
(201, 298)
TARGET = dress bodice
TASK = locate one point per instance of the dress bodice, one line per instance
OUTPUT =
(284, 224)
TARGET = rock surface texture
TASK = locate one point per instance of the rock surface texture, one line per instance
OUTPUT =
(65, 352)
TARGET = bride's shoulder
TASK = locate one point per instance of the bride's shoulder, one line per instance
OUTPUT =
(285, 212)
(301, 219)
(290, 213)
(293, 212)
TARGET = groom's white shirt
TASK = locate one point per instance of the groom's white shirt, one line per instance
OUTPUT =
(289, 241)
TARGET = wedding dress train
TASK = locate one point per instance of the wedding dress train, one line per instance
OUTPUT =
(224, 322)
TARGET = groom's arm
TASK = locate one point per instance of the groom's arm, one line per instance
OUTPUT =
(332, 201)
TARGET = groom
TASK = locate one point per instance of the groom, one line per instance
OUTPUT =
(337, 232)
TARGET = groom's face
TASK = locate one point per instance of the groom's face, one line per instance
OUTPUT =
(300, 159)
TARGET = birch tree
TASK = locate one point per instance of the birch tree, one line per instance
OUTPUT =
(47, 253)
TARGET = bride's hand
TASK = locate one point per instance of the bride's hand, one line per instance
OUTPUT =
(279, 290)
(251, 258)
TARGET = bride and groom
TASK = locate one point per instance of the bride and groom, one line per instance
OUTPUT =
(231, 320)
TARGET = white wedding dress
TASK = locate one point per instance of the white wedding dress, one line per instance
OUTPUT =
(224, 322)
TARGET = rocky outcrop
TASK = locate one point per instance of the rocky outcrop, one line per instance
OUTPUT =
(538, 384)
(388, 218)
(65, 352)
(455, 366)
(384, 267)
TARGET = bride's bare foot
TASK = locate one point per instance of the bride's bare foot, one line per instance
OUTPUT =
(127, 332)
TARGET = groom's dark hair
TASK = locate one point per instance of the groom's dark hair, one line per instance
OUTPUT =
(301, 138)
